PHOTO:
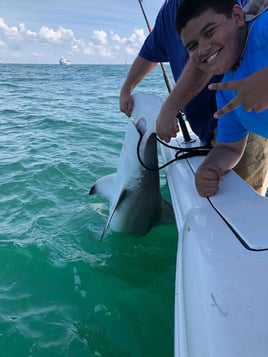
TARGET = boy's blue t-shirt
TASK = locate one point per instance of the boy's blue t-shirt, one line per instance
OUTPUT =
(164, 45)
(235, 125)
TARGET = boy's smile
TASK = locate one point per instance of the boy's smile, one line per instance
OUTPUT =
(214, 41)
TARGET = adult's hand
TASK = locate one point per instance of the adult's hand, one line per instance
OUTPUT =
(252, 93)
(126, 103)
(139, 69)
(166, 126)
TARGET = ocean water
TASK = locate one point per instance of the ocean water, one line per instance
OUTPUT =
(63, 292)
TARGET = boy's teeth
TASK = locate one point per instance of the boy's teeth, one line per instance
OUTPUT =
(212, 57)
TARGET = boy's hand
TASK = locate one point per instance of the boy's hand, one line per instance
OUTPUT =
(207, 179)
(252, 93)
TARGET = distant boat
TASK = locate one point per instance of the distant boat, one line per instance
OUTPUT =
(64, 61)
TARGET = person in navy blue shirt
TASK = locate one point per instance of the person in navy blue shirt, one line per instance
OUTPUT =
(190, 94)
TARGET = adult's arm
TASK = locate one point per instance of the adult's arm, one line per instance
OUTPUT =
(139, 69)
(191, 81)
(222, 158)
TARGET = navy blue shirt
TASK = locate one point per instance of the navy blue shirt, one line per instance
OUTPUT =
(163, 44)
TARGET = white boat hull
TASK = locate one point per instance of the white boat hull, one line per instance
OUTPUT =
(221, 293)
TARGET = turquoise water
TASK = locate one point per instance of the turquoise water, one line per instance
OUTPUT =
(62, 291)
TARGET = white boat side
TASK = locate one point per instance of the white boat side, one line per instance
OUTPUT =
(222, 263)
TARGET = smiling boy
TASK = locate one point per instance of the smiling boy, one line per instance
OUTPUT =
(219, 41)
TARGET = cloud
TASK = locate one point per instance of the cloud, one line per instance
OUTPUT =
(45, 34)
(2, 45)
(51, 36)
(130, 44)
(99, 38)
(110, 45)
(101, 44)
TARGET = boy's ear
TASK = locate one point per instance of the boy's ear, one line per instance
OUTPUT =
(238, 16)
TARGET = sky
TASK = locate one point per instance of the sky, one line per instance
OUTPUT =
(84, 31)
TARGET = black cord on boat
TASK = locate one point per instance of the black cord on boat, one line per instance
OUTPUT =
(181, 153)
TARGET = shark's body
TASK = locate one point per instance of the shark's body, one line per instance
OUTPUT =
(136, 204)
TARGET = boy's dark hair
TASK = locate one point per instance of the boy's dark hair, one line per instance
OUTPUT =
(190, 9)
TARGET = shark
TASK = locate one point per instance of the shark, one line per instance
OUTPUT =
(133, 191)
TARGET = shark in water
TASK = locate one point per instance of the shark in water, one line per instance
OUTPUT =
(133, 191)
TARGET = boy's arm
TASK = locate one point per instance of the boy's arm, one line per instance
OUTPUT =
(223, 157)
(252, 92)
(191, 81)
(139, 69)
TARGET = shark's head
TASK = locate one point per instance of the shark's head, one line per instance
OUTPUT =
(148, 134)
(145, 115)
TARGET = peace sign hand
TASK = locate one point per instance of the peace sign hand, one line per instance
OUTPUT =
(252, 93)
